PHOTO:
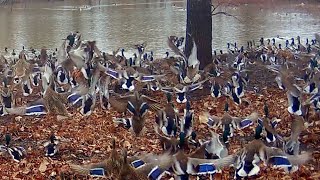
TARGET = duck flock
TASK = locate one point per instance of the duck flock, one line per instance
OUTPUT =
(78, 78)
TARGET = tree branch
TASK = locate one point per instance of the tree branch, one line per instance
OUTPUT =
(215, 7)
(226, 14)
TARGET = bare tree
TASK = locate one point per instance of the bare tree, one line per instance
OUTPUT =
(199, 28)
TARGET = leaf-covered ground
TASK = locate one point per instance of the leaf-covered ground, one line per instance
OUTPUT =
(87, 139)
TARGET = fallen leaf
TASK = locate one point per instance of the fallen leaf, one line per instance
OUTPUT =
(43, 166)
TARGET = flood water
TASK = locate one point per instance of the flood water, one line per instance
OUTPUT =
(120, 23)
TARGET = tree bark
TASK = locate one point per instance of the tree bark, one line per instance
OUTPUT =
(199, 28)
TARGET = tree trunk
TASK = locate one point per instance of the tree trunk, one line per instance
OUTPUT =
(199, 28)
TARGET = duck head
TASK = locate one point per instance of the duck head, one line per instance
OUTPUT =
(6, 96)
(261, 41)
(122, 52)
(273, 41)
(287, 43)
(7, 139)
(52, 138)
(226, 134)
(309, 48)
(268, 41)
(167, 54)
(182, 140)
(145, 56)
(226, 107)
(216, 90)
(169, 97)
(292, 41)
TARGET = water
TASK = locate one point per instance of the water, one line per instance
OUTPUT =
(44, 24)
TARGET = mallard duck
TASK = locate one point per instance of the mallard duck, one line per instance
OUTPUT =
(153, 167)
(88, 102)
(194, 164)
(313, 83)
(182, 91)
(293, 92)
(292, 145)
(52, 102)
(230, 123)
(62, 75)
(128, 75)
(190, 68)
(80, 56)
(84, 94)
(118, 103)
(22, 71)
(180, 159)
(300, 47)
(77, 39)
(11, 57)
(186, 125)
(7, 97)
(138, 106)
(240, 60)
(110, 166)
(46, 73)
(35, 76)
(269, 127)
(216, 147)
(168, 143)
(17, 153)
(167, 118)
(193, 140)
(103, 85)
(51, 147)
(148, 166)
(4, 63)
(2, 110)
(247, 160)
(199, 166)
(141, 48)
(238, 83)
(33, 108)
(217, 85)
(233, 89)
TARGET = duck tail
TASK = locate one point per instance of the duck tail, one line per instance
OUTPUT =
(300, 159)
(164, 161)
(254, 116)
(83, 170)
(155, 107)
(157, 163)
(16, 110)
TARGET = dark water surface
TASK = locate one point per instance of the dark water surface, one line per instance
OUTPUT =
(38, 24)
